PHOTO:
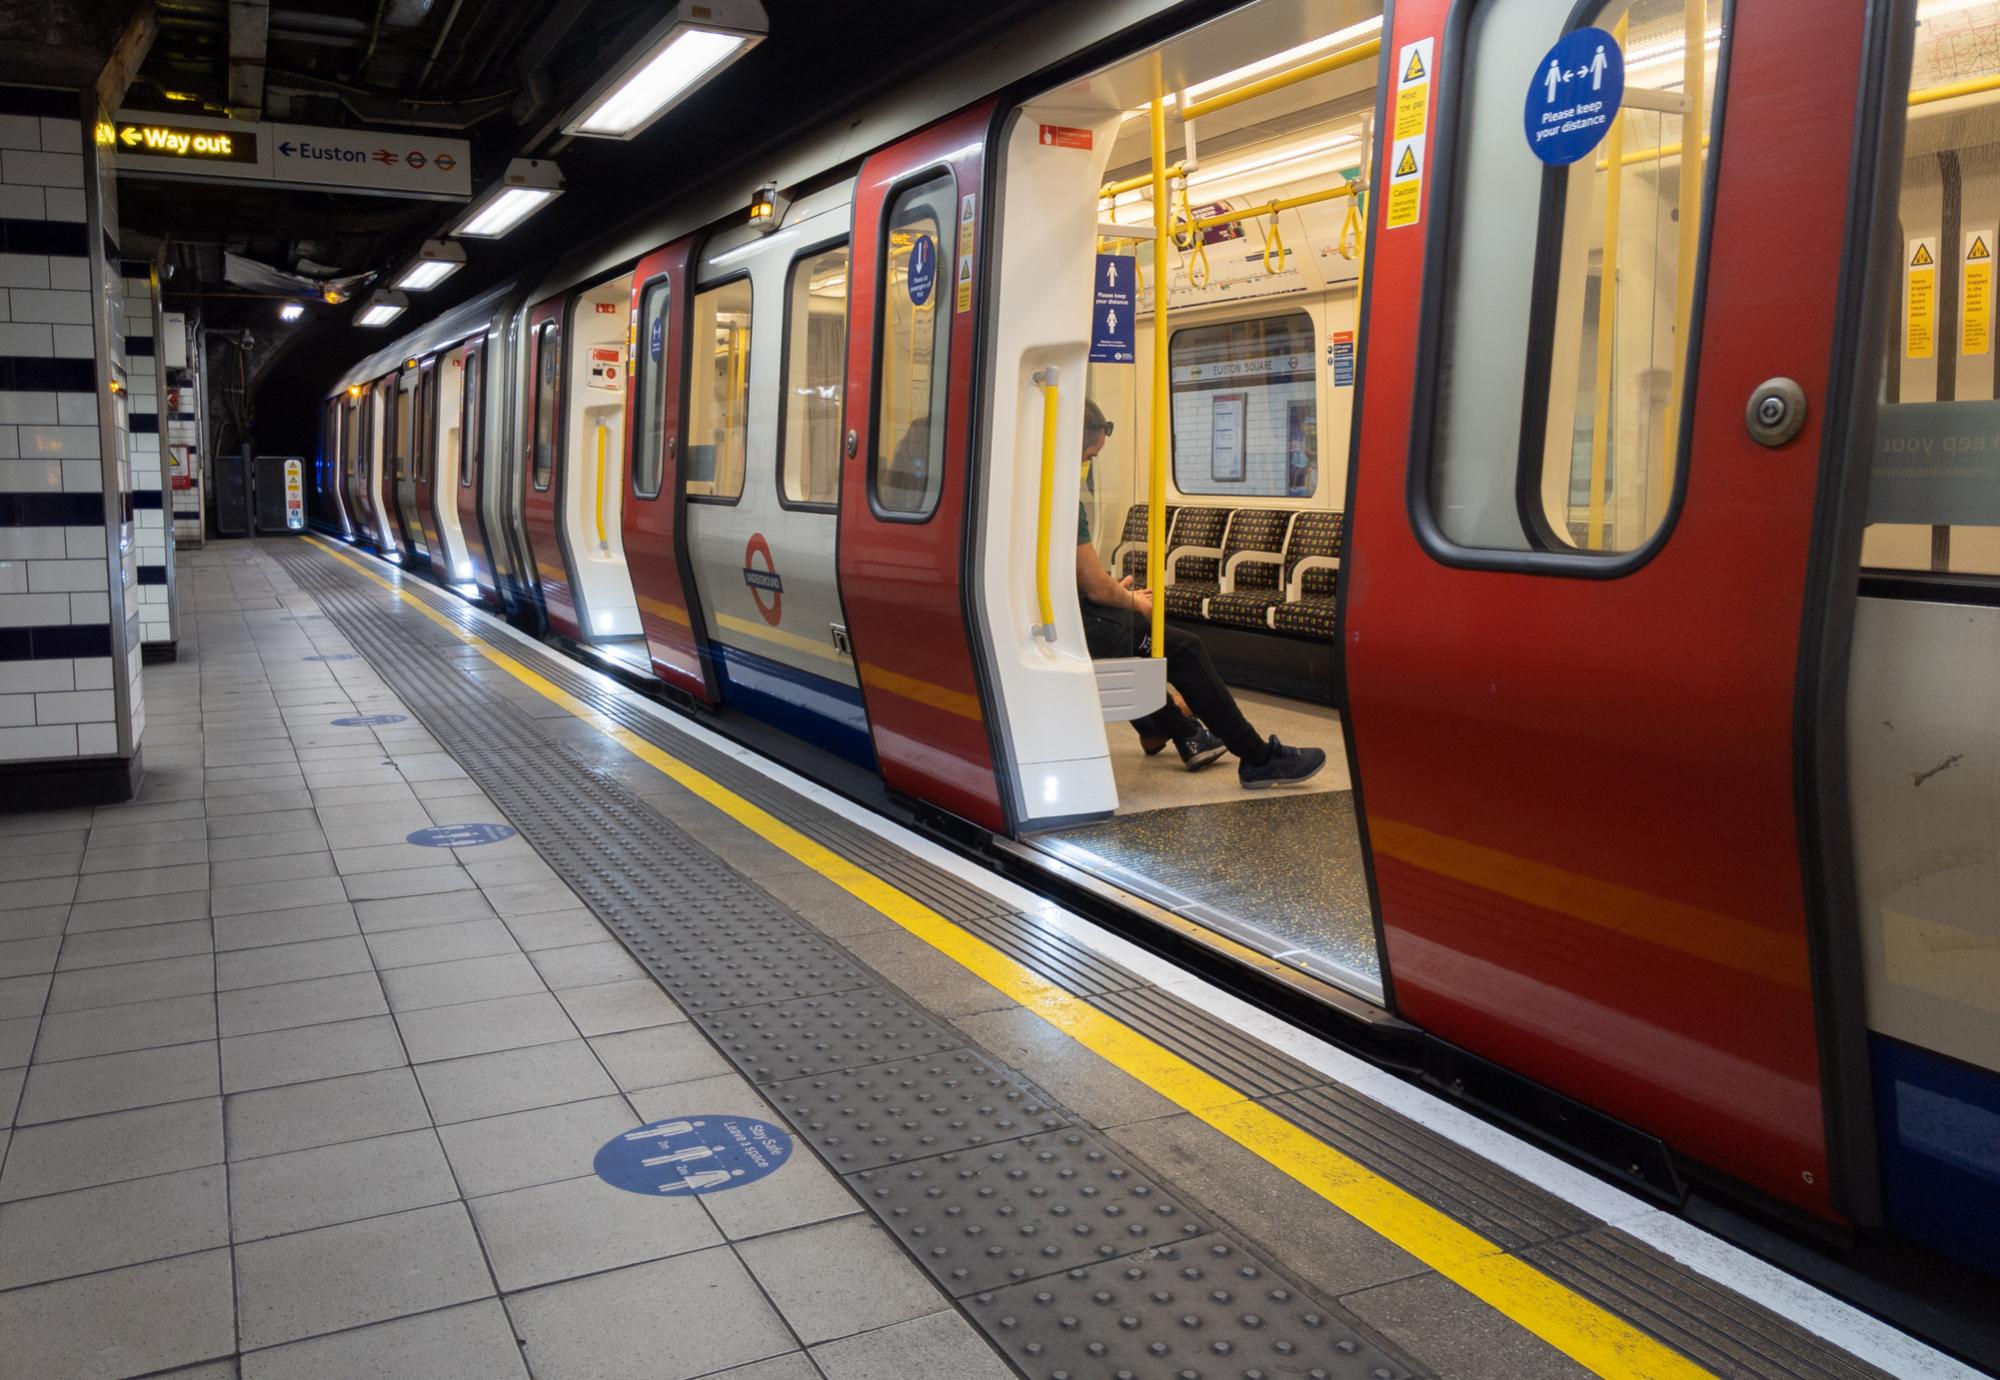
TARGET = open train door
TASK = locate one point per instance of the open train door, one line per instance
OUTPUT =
(1604, 551)
(655, 510)
(905, 482)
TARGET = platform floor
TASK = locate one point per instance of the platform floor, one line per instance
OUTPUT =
(288, 1095)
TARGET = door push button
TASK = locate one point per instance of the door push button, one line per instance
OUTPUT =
(1776, 412)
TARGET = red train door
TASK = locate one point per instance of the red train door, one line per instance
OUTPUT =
(471, 464)
(655, 511)
(905, 487)
(541, 441)
(1592, 597)
(423, 452)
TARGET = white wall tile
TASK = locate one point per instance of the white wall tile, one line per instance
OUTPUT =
(68, 272)
(82, 476)
(34, 610)
(74, 342)
(86, 608)
(65, 577)
(61, 136)
(13, 577)
(20, 132)
(10, 442)
(52, 740)
(27, 339)
(6, 308)
(80, 542)
(41, 543)
(27, 407)
(17, 711)
(101, 740)
(41, 169)
(93, 673)
(76, 707)
(62, 306)
(76, 409)
(27, 677)
(64, 204)
(58, 442)
(22, 203)
(30, 476)
(24, 270)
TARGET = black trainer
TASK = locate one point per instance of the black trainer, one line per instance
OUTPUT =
(1200, 748)
(1285, 766)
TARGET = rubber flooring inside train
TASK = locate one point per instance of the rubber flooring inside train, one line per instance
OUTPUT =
(1289, 865)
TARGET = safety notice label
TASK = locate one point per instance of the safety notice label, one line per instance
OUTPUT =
(1920, 298)
(1976, 315)
(1410, 133)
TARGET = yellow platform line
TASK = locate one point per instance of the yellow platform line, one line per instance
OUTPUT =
(1586, 1332)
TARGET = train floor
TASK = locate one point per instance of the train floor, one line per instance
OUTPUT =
(442, 1010)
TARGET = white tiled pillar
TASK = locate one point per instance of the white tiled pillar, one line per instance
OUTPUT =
(159, 621)
(179, 343)
(71, 704)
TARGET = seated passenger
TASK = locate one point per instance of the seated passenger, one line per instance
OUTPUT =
(1117, 621)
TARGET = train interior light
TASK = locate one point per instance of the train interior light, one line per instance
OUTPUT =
(690, 46)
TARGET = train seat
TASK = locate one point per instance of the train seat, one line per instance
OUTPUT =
(1252, 564)
(1128, 558)
(1194, 560)
(1312, 574)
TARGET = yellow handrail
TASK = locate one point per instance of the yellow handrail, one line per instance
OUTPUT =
(1133, 184)
(1607, 322)
(1045, 605)
(601, 540)
(1156, 492)
(1693, 74)
(1272, 207)
(1278, 81)
(1971, 86)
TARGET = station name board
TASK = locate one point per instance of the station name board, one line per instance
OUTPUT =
(186, 141)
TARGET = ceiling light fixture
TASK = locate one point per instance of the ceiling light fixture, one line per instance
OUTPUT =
(696, 40)
(435, 262)
(528, 185)
(381, 308)
(291, 311)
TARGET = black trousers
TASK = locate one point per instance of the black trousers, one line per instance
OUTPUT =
(1113, 632)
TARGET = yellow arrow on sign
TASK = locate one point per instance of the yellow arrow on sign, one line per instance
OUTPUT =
(130, 136)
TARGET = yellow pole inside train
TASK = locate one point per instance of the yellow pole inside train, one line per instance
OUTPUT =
(1693, 70)
(1607, 322)
(1156, 488)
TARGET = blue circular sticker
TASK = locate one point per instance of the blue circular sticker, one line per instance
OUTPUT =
(923, 269)
(370, 720)
(333, 656)
(1573, 95)
(704, 1153)
(460, 835)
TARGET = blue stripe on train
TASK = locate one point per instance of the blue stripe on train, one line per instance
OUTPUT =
(823, 712)
(1939, 1124)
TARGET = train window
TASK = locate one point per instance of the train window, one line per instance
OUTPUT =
(718, 391)
(469, 447)
(549, 352)
(913, 364)
(1934, 486)
(1558, 398)
(815, 363)
(427, 390)
(1245, 408)
(406, 415)
(650, 438)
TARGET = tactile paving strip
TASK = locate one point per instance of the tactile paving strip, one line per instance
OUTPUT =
(890, 1113)
(980, 1219)
(845, 1030)
(1199, 1310)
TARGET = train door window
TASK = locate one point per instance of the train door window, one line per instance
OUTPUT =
(549, 351)
(913, 364)
(469, 446)
(405, 413)
(815, 363)
(648, 459)
(1558, 398)
(1246, 408)
(430, 446)
(719, 391)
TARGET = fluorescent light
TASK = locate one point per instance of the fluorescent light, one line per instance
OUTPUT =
(381, 308)
(1339, 38)
(435, 262)
(528, 185)
(291, 311)
(693, 43)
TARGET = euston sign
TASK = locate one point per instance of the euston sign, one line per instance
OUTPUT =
(184, 141)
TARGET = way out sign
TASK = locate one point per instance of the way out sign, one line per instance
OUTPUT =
(1573, 95)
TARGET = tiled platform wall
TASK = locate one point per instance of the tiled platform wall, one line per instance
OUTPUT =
(155, 591)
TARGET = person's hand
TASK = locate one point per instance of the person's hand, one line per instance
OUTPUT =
(1142, 602)
(1125, 583)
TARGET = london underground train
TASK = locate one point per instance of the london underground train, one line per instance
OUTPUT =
(1598, 459)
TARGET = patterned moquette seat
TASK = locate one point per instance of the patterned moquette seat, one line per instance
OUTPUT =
(1258, 537)
(1311, 613)
(1129, 557)
(1193, 575)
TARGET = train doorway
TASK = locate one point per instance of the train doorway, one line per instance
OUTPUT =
(1199, 453)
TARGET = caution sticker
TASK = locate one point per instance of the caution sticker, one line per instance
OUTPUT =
(1920, 298)
(966, 205)
(1976, 316)
(1410, 133)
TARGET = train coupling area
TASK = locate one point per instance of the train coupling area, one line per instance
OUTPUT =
(441, 1008)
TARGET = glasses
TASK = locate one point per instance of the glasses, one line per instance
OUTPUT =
(1098, 430)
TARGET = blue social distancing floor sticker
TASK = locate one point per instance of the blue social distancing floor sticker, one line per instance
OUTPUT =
(702, 1153)
(460, 835)
(369, 720)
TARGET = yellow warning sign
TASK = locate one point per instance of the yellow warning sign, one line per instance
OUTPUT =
(1920, 300)
(1975, 332)
(1409, 132)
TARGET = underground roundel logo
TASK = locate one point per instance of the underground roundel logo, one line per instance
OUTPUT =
(766, 588)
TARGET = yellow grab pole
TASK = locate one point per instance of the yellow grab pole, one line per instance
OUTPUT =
(601, 541)
(1156, 490)
(1693, 71)
(1045, 379)
(1133, 184)
(1607, 320)
(1278, 81)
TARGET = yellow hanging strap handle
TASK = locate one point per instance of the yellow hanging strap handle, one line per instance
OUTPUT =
(1274, 243)
(1045, 607)
(1197, 269)
(1349, 243)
